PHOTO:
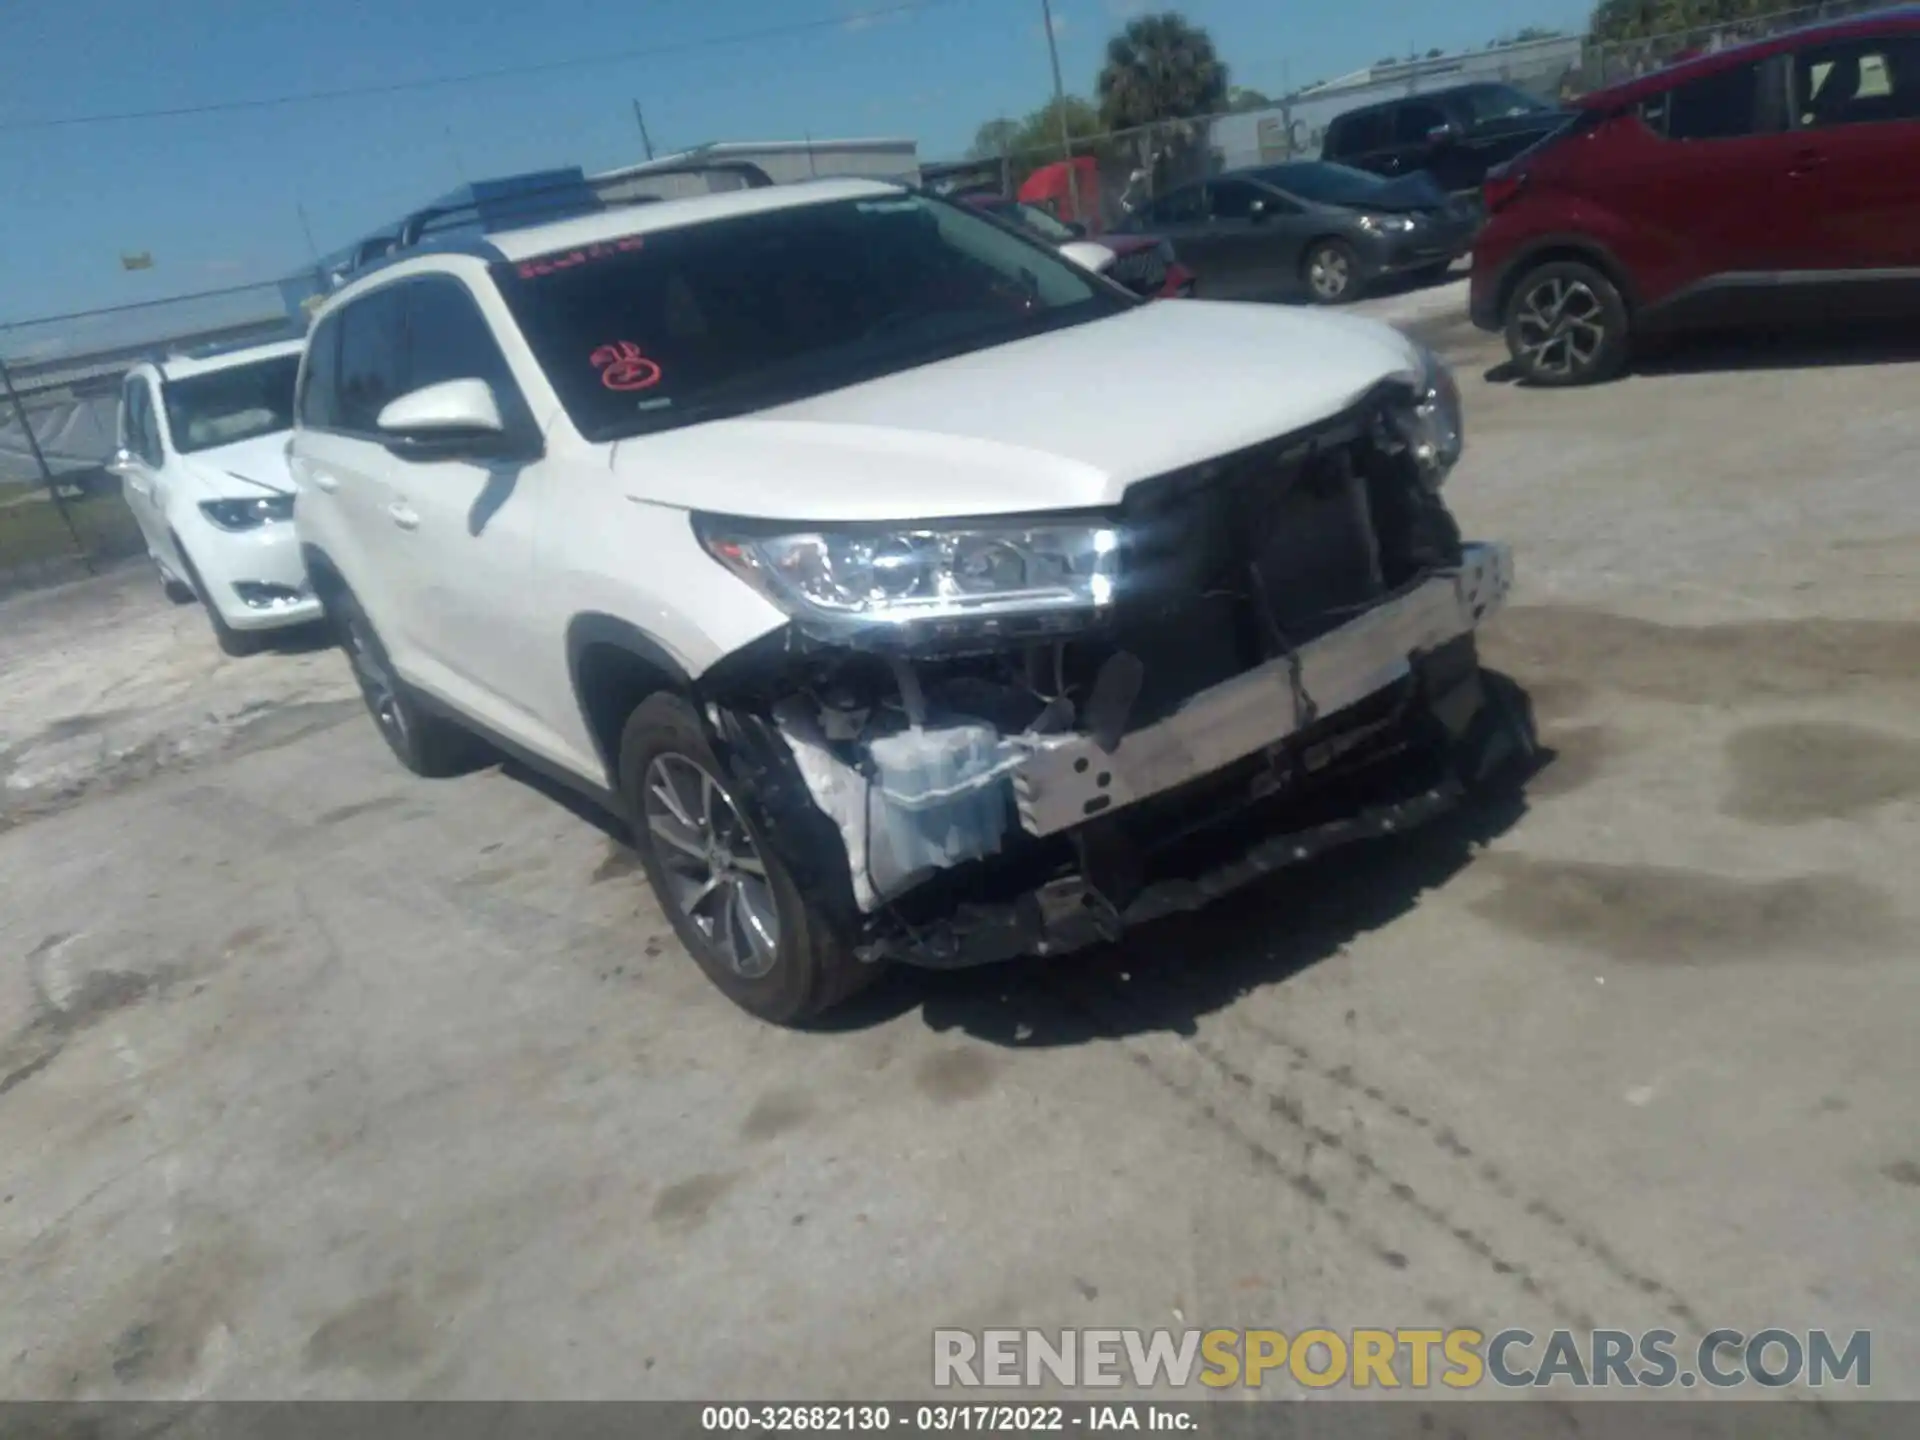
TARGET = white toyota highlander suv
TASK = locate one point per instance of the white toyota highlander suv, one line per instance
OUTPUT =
(912, 593)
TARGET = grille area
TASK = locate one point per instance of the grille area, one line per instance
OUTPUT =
(1244, 558)
(1143, 272)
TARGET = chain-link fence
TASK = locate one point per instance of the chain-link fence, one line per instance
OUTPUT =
(61, 511)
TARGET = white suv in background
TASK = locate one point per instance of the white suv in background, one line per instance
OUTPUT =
(805, 528)
(202, 461)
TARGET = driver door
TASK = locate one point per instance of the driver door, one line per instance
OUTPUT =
(461, 528)
(1257, 238)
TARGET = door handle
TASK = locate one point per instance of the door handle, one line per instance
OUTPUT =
(324, 482)
(403, 515)
(1805, 160)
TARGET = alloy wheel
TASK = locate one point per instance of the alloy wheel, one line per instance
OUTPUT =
(1329, 274)
(712, 868)
(1560, 327)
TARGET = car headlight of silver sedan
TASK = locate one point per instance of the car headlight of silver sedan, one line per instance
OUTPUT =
(1430, 423)
(248, 514)
(902, 584)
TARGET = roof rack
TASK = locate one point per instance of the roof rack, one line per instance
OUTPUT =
(510, 209)
(416, 225)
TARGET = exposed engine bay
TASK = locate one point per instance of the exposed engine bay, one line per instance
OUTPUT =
(1287, 663)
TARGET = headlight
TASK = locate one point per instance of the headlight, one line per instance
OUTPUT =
(1432, 426)
(1386, 224)
(904, 584)
(248, 514)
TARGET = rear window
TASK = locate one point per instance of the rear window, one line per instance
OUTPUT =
(680, 326)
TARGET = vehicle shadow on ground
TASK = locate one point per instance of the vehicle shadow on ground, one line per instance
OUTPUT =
(1811, 347)
(1167, 975)
(301, 639)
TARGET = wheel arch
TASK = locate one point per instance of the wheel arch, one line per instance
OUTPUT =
(1583, 249)
(614, 665)
(325, 577)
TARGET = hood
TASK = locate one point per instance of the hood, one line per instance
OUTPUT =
(1415, 191)
(246, 467)
(1059, 422)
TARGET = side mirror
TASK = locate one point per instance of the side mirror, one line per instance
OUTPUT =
(1257, 211)
(455, 417)
(1087, 255)
(122, 462)
(1442, 133)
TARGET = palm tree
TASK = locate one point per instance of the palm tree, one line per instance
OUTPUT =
(1161, 67)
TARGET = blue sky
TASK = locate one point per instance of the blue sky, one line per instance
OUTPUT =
(213, 197)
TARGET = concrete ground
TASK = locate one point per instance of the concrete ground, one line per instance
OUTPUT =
(319, 1080)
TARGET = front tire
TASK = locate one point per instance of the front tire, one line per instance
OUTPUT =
(730, 898)
(427, 744)
(173, 587)
(1566, 325)
(236, 643)
(1332, 272)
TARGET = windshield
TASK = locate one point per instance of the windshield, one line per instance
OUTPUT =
(675, 327)
(1031, 217)
(1500, 102)
(223, 407)
(1328, 184)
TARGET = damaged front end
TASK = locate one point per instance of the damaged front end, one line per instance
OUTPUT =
(984, 739)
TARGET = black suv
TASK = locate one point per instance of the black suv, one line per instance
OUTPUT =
(1457, 134)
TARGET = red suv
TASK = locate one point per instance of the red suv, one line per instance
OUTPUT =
(1774, 181)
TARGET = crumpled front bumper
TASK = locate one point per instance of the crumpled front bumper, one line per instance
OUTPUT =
(1068, 779)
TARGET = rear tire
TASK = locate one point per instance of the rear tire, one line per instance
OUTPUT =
(1332, 272)
(1566, 325)
(429, 745)
(730, 898)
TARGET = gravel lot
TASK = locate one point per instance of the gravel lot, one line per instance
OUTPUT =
(318, 1080)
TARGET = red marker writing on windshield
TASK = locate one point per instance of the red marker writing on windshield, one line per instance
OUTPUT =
(623, 367)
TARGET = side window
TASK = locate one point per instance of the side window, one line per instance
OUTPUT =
(142, 431)
(129, 413)
(1413, 123)
(1861, 82)
(320, 378)
(156, 452)
(1361, 131)
(372, 349)
(1232, 199)
(449, 339)
(1181, 207)
(1719, 106)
